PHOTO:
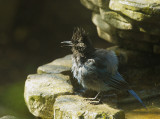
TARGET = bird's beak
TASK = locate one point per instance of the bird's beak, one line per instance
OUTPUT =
(67, 43)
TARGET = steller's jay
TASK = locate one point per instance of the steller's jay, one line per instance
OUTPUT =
(96, 69)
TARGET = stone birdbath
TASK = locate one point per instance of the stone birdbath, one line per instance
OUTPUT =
(133, 26)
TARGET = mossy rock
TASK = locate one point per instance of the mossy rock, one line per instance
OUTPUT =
(57, 66)
(148, 7)
(118, 5)
(122, 22)
(95, 2)
(49, 95)
(97, 20)
(41, 91)
(137, 45)
(92, 4)
(8, 117)
(89, 5)
(75, 107)
(116, 20)
(106, 36)
(103, 3)
(133, 58)
(138, 36)
(150, 28)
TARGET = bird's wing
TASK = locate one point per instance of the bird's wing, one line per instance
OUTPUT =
(116, 81)
(104, 66)
(107, 64)
(106, 59)
(119, 83)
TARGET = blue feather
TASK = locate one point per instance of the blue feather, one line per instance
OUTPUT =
(137, 97)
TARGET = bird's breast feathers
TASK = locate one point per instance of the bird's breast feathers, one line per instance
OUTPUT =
(103, 60)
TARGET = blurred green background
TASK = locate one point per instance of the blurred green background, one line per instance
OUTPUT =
(30, 36)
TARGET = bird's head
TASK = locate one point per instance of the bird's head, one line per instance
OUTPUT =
(80, 42)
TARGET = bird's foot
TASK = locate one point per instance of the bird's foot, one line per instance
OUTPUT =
(93, 101)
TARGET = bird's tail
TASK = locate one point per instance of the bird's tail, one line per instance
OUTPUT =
(137, 97)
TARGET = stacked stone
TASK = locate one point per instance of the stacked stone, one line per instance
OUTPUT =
(132, 24)
(51, 93)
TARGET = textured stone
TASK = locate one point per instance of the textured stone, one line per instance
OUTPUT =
(95, 2)
(8, 117)
(129, 11)
(149, 7)
(135, 58)
(64, 61)
(89, 5)
(56, 66)
(150, 28)
(118, 5)
(115, 19)
(52, 69)
(97, 20)
(136, 15)
(41, 91)
(75, 107)
(106, 36)
(137, 45)
(103, 3)
(138, 36)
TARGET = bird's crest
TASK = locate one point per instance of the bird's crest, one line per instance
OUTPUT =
(79, 35)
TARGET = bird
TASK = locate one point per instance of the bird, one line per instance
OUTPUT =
(95, 69)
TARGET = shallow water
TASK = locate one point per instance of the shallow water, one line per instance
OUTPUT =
(133, 109)
(150, 113)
